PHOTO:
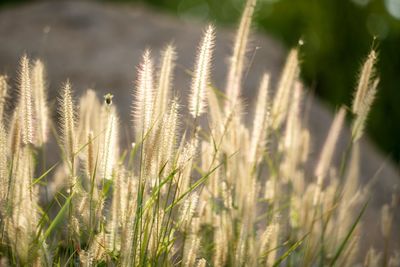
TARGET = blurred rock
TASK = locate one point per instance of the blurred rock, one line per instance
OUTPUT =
(98, 45)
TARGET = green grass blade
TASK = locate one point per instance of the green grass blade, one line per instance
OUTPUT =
(347, 238)
(58, 219)
(289, 251)
(37, 180)
(193, 187)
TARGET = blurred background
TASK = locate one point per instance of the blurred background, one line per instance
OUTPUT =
(337, 37)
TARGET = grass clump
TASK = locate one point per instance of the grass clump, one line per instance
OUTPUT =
(228, 194)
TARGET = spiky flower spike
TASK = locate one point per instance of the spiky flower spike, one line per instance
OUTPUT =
(168, 138)
(197, 99)
(286, 82)
(3, 94)
(15, 133)
(3, 166)
(143, 107)
(258, 134)
(25, 102)
(109, 146)
(67, 114)
(40, 102)
(89, 118)
(364, 95)
(23, 199)
(90, 157)
(365, 81)
(237, 60)
(163, 91)
(327, 152)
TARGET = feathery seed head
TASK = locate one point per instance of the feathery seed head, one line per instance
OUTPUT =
(164, 80)
(363, 109)
(90, 161)
(89, 117)
(364, 95)
(109, 146)
(328, 150)
(394, 259)
(366, 80)
(237, 61)
(330, 144)
(386, 221)
(67, 113)
(189, 207)
(40, 102)
(201, 76)
(191, 249)
(3, 164)
(25, 102)
(260, 120)
(169, 131)
(143, 106)
(3, 94)
(15, 133)
(281, 101)
(202, 263)
(373, 258)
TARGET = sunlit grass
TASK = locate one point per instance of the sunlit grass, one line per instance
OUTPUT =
(227, 193)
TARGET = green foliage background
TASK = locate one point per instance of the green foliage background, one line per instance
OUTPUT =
(337, 34)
